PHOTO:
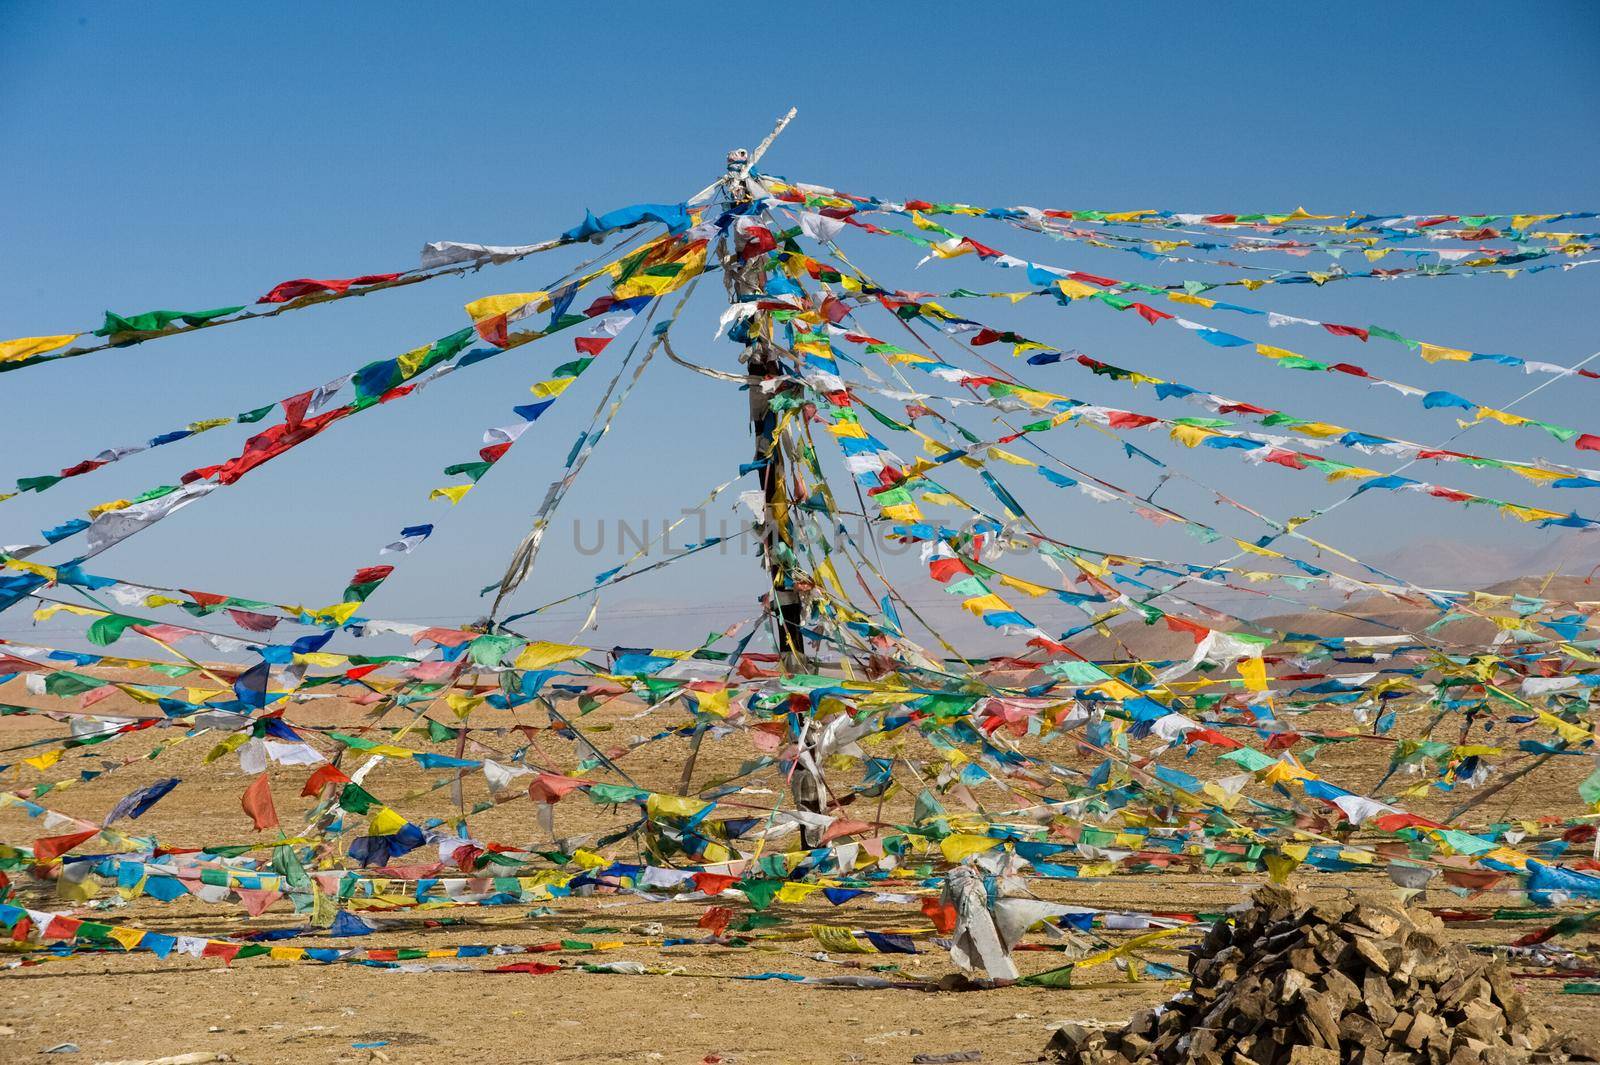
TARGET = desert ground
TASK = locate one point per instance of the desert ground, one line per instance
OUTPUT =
(115, 1006)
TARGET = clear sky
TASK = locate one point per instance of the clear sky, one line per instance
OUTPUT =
(193, 155)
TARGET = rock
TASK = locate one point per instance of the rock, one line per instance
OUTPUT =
(1068, 1039)
(1369, 952)
(1580, 1047)
(1135, 1047)
(1385, 924)
(1423, 1028)
(1480, 1020)
(1304, 1055)
(1356, 980)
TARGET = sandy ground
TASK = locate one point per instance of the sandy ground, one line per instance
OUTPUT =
(116, 1006)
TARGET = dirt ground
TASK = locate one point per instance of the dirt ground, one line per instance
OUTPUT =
(117, 1006)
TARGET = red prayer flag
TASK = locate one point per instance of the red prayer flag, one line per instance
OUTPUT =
(305, 286)
(1122, 419)
(1285, 458)
(51, 847)
(846, 827)
(943, 915)
(715, 919)
(1473, 879)
(249, 619)
(713, 883)
(549, 787)
(758, 240)
(493, 330)
(61, 927)
(368, 574)
(257, 802)
(86, 466)
(1346, 331)
(325, 775)
(942, 569)
(1196, 631)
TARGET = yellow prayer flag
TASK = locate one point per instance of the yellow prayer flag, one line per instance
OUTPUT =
(1190, 435)
(674, 805)
(836, 940)
(1245, 545)
(590, 860)
(453, 493)
(980, 603)
(1438, 353)
(385, 822)
(959, 845)
(44, 761)
(128, 937)
(1566, 730)
(794, 891)
(28, 347)
(1026, 587)
(1503, 417)
(1254, 672)
(713, 702)
(551, 389)
(340, 612)
(489, 306)
(1075, 289)
(539, 654)
(462, 704)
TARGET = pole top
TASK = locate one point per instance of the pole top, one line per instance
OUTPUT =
(740, 160)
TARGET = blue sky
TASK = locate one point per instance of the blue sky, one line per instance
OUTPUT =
(193, 155)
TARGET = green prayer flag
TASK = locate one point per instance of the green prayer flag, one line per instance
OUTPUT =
(109, 629)
(1058, 978)
(760, 892)
(154, 321)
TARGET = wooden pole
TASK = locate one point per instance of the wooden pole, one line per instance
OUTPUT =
(746, 280)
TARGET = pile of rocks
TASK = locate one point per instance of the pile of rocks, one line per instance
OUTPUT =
(1358, 980)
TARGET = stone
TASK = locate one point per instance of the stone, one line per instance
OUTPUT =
(1068, 1039)
(1580, 1047)
(1304, 1055)
(1369, 952)
(1358, 981)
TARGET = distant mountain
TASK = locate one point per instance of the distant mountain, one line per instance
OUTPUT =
(1453, 564)
(1370, 616)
